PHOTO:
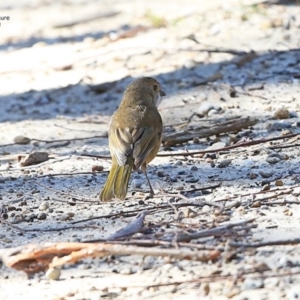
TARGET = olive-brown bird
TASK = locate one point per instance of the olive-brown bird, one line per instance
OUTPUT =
(135, 133)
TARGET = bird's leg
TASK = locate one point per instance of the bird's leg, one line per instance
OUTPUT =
(151, 189)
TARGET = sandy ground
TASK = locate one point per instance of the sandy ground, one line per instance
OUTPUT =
(61, 82)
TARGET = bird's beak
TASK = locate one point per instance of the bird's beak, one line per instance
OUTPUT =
(162, 93)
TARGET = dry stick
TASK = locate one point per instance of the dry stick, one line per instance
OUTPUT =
(100, 250)
(62, 140)
(47, 229)
(68, 174)
(191, 153)
(264, 244)
(185, 136)
(152, 243)
(246, 144)
(172, 194)
(87, 18)
(283, 146)
(48, 162)
(218, 231)
(71, 140)
(281, 202)
(34, 258)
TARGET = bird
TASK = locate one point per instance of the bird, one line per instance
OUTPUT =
(134, 136)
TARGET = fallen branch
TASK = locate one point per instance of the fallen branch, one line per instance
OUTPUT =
(185, 136)
(34, 258)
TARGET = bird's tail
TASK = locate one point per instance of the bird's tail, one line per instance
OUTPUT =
(117, 182)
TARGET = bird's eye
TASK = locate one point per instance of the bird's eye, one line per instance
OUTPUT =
(155, 87)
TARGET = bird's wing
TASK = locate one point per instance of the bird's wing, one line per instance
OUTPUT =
(121, 143)
(137, 143)
(145, 145)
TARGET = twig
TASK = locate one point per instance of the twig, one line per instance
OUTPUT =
(246, 144)
(60, 140)
(47, 229)
(86, 18)
(191, 153)
(185, 136)
(264, 244)
(97, 156)
(48, 162)
(218, 231)
(67, 174)
(284, 146)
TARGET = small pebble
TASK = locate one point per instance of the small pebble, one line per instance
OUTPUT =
(44, 206)
(97, 168)
(178, 163)
(125, 271)
(256, 204)
(266, 187)
(204, 108)
(41, 216)
(266, 174)
(253, 176)
(224, 163)
(206, 208)
(66, 217)
(192, 180)
(160, 174)
(136, 184)
(6, 240)
(277, 126)
(17, 219)
(287, 212)
(196, 140)
(253, 283)
(21, 140)
(282, 113)
(273, 160)
(208, 160)
(194, 168)
(33, 158)
(53, 273)
(278, 182)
